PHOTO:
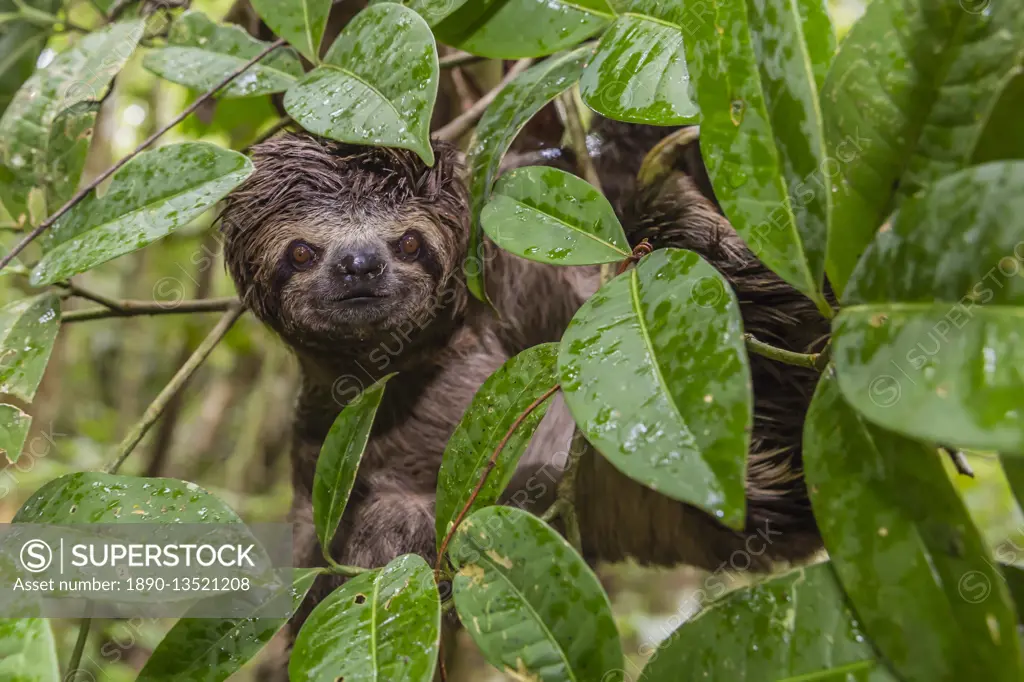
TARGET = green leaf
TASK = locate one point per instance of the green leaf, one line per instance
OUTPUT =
(338, 464)
(639, 73)
(530, 602)
(201, 53)
(68, 147)
(1013, 468)
(513, 29)
(903, 544)
(210, 649)
(929, 343)
(155, 193)
(377, 85)
(655, 372)
(1002, 137)
(14, 425)
(79, 74)
(504, 396)
(512, 109)
(92, 497)
(761, 136)
(27, 651)
(432, 11)
(903, 111)
(798, 626)
(381, 626)
(300, 22)
(28, 328)
(20, 44)
(550, 216)
(819, 36)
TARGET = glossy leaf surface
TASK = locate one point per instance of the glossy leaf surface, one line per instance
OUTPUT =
(70, 136)
(550, 216)
(902, 112)
(639, 73)
(152, 195)
(92, 497)
(21, 41)
(530, 602)
(514, 106)
(79, 74)
(28, 328)
(14, 426)
(819, 36)
(27, 651)
(929, 343)
(512, 29)
(903, 546)
(1002, 137)
(381, 626)
(224, 645)
(201, 53)
(655, 372)
(761, 135)
(377, 84)
(504, 396)
(432, 11)
(300, 22)
(797, 626)
(338, 464)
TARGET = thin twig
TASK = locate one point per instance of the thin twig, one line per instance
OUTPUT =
(130, 308)
(82, 193)
(76, 654)
(491, 463)
(186, 371)
(461, 124)
(271, 131)
(639, 251)
(81, 292)
(572, 118)
(810, 361)
(459, 59)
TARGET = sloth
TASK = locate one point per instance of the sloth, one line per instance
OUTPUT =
(354, 256)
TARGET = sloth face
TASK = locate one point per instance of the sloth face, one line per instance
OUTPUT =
(331, 243)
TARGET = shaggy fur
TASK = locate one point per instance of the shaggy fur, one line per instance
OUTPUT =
(339, 197)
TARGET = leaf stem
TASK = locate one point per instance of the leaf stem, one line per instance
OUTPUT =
(186, 371)
(487, 472)
(810, 361)
(459, 59)
(128, 308)
(84, 191)
(76, 654)
(343, 570)
(461, 124)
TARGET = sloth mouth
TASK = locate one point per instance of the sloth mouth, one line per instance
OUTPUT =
(358, 296)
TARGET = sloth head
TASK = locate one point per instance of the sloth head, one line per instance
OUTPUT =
(330, 242)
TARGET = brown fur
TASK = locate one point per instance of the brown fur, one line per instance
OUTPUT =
(444, 344)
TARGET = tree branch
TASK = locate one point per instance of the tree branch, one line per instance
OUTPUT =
(487, 472)
(461, 124)
(136, 308)
(81, 292)
(186, 371)
(82, 193)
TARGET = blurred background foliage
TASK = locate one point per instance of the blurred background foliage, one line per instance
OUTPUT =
(229, 428)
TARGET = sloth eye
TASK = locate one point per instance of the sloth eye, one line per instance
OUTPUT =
(301, 255)
(409, 244)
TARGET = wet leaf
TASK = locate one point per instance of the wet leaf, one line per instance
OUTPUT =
(211, 649)
(14, 425)
(79, 74)
(381, 626)
(929, 343)
(639, 73)
(300, 22)
(513, 29)
(655, 372)
(504, 396)
(904, 111)
(530, 602)
(905, 548)
(20, 43)
(550, 216)
(28, 328)
(338, 464)
(1002, 137)
(68, 147)
(201, 53)
(27, 651)
(514, 106)
(432, 11)
(819, 36)
(1013, 468)
(798, 626)
(377, 84)
(152, 195)
(761, 135)
(92, 497)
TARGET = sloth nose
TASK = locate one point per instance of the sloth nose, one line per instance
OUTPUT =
(363, 264)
